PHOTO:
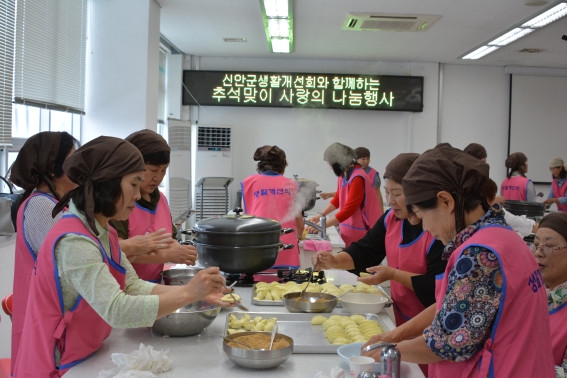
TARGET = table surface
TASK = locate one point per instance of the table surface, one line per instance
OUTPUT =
(202, 355)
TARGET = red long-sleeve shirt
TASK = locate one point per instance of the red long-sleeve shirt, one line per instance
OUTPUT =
(354, 200)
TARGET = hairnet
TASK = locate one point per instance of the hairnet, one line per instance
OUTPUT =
(399, 166)
(340, 154)
(361, 152)
(148, 142)
(555, 221)
(102, 159)
(36, 161)
(449, 169)
(476, 150)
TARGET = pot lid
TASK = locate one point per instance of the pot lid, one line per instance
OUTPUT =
(239, 223)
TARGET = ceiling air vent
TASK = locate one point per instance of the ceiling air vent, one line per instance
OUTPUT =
(390, 22)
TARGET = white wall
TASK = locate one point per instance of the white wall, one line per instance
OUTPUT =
(473, 108)
(122, 68)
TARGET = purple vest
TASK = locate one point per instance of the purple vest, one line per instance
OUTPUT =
(365, 216)
(559, 191)
(519, 344)
(273, 197)
(407, 257)
(143, 220)
(23, 268)
(76, 333)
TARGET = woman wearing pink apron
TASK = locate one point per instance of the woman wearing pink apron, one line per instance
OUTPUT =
(516, 186)
(558, 192)
(148, 236)
(355, 197)
(82, 285)
(491, 275)
(550, 244)
(38, 170)
(269, 194)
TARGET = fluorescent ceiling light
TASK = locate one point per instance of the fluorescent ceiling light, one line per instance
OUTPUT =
(278, 23)
(519, 31)
(548, 17)
(276, 8)
(480, 52)
(510, 37)
(280, 45)
(278, 27)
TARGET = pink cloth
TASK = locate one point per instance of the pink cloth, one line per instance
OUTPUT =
(317, 245)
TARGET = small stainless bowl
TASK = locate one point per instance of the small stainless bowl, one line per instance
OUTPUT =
(179, 276)
(310, 302)
(187, 321)
(255, 358)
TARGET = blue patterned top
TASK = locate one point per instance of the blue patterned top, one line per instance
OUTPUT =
(471, 303)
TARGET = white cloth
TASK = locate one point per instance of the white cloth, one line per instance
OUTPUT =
(142, 363)
(336, 372)
(519, 223)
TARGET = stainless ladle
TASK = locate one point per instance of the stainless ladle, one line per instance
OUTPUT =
(301, 295)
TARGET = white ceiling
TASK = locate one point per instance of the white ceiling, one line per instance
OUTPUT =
(198, 27)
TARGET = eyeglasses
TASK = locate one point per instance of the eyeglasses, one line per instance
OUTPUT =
(545, 249)
(394, 196)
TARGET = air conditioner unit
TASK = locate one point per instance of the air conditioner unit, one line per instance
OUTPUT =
(389, 22)
(211, 170)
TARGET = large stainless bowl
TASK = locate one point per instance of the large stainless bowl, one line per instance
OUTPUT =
(179, 276)
(310, 302)
(257, 359)
(187, 321)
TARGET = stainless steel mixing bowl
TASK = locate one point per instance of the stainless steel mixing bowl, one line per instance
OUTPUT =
(310, 302)
(257, 359)
(187, 321)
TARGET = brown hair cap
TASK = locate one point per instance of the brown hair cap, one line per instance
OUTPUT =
(399, 166)
(555, 221)
(361, 152)
(36, 160)
(148, 142)
(444, 168)
(476, 150)
(102, 159)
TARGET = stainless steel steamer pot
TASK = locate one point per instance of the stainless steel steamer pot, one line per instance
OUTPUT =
(238, 243)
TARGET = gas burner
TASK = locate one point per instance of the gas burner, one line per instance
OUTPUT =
(301, 275)
(242, 279)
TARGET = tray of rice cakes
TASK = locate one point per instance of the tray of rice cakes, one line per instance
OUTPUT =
(271, 294)
(311, 333)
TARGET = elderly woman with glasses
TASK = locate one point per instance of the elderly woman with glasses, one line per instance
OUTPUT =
(550, 249)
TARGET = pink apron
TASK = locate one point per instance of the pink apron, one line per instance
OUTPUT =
(143, 220)
(407, 257)
(24, 263)
(76, 333)
(558, 192)
(364, 218)
(557, 322)
(515, 188)
(519, 344)
(273, 196)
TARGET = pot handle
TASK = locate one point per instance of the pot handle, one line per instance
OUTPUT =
(188, 242)
(287, 246)
(287, 230)
(188, 232)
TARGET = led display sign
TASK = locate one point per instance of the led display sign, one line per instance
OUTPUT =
(303, 90)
